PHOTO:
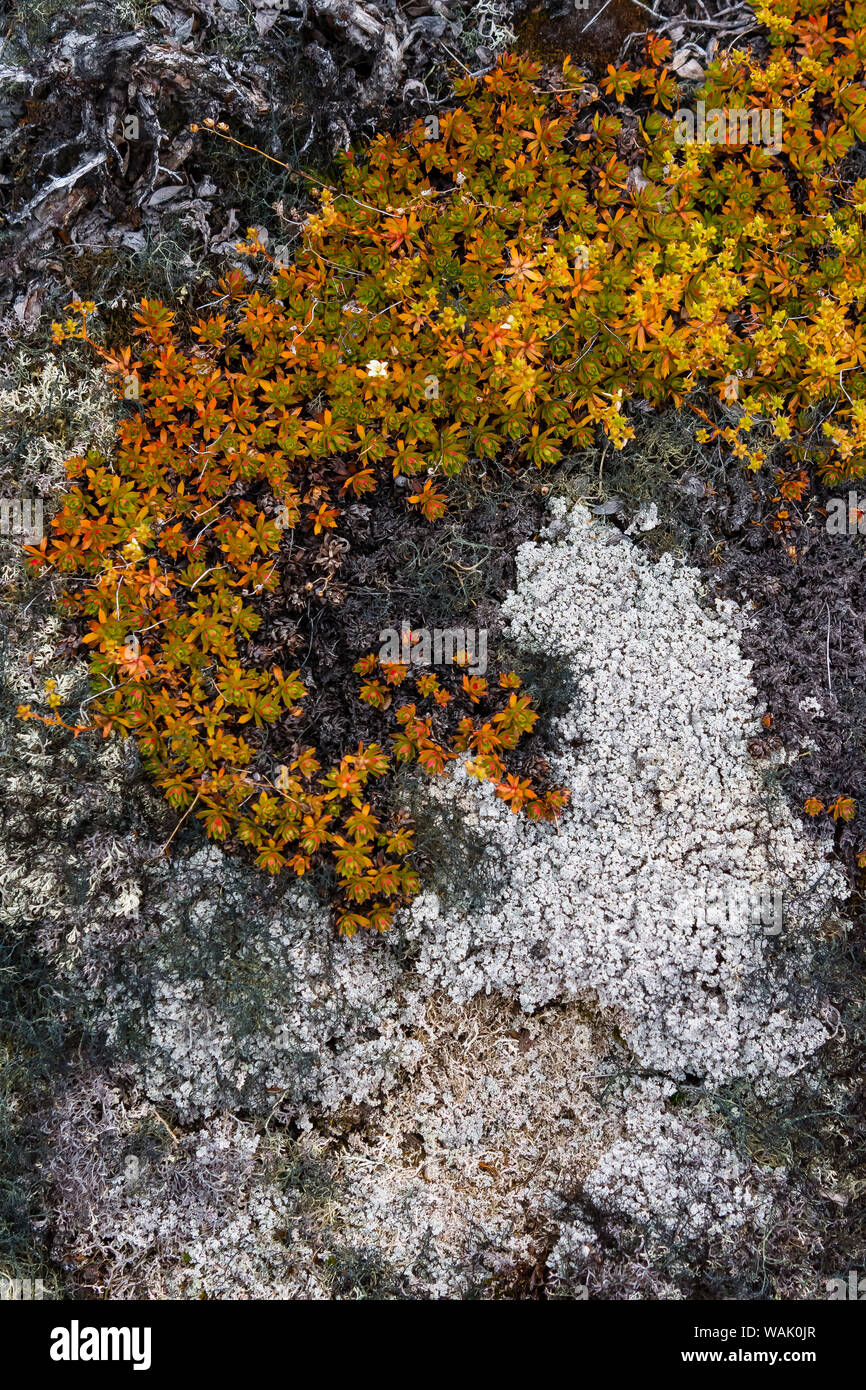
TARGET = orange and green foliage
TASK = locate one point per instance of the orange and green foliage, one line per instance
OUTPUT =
(488, 741)
(843, 808)
(507, 287)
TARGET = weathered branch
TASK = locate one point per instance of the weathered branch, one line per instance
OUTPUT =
(88, 164)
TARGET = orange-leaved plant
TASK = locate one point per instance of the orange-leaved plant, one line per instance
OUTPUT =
(503, 289)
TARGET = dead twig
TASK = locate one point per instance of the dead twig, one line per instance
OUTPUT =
(87, 165)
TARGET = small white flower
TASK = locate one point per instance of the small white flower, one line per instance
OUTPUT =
(460, 177)
(375, 368)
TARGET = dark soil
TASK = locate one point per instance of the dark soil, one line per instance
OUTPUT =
(592, 37)
(399, 568)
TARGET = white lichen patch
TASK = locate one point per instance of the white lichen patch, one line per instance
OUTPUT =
(334, 1022)
(452, 1184)
(677, 1180)
(50, 414)
(641, 898)
(673, 1172)
(461, 1183)
(183, 1215)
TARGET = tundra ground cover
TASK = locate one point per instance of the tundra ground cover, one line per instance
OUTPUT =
(499, 282)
